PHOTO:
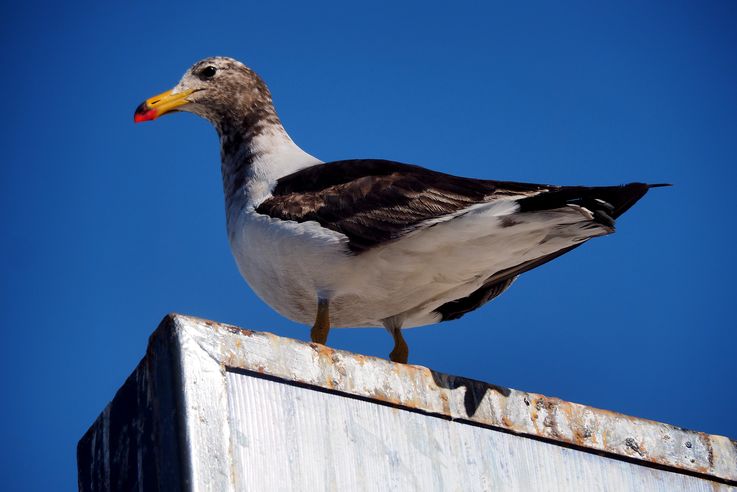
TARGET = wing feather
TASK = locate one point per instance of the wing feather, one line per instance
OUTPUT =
(375, 201)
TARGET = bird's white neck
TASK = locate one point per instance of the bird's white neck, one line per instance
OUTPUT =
(250, 171)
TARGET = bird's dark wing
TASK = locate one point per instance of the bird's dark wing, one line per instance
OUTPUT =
(375, 201)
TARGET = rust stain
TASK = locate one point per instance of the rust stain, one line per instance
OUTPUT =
(552, 424)
(533, 418)
(592, 436)
(444, 402)
(340, 369)
(230, 328)
(581, 434)
(634, 446)
(643, 448)
(381, 396)
(709, 448)
(709, 453)
(322, 350)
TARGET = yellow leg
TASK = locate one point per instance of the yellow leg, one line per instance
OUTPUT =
(320, 329)
(401, 350)
(400, 353)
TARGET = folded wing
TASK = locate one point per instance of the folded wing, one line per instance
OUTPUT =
(376, 201)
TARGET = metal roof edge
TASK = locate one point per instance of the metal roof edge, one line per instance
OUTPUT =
(417, 388)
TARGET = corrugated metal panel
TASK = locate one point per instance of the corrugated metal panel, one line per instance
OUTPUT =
(213, 407)
(286, 437)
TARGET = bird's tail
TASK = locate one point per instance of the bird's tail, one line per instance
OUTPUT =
(606, 203)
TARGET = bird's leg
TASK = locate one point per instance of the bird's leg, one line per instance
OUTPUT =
(320, 329)
(401, 350)
(400, 353)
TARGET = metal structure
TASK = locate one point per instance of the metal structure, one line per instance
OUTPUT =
(214, 407)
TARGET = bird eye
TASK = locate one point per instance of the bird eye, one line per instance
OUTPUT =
(208, 72)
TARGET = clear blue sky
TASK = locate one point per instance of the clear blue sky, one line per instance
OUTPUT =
(108, 226)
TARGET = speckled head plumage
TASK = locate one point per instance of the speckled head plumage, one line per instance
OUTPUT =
(220, 89)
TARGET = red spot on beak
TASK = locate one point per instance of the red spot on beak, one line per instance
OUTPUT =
(144, 113)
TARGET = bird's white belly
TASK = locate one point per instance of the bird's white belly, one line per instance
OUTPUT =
(287, 264)
(290, 264)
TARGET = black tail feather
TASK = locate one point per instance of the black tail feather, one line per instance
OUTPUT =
(621, 198)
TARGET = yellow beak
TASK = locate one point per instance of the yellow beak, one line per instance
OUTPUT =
(165, 102)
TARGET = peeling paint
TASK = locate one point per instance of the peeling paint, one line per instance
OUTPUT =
(210, 350)
(516, 411)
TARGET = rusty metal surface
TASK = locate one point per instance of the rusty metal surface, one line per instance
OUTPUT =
(457, 398)
(206, 393)
(290, 437)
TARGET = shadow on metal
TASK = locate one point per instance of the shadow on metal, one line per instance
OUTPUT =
(475, 390)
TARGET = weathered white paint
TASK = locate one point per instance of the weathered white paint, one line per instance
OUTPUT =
(205, 418)
(453, 397)
(252, 411)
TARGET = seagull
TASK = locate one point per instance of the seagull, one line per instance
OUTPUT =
(370, 242)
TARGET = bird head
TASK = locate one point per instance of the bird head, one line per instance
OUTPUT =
(219, 89)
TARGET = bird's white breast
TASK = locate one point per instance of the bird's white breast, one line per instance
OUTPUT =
(288, 264)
